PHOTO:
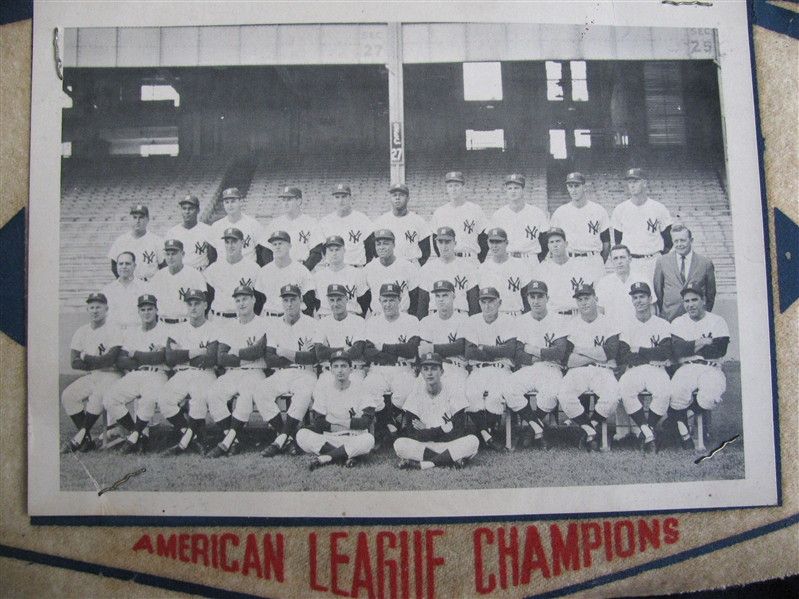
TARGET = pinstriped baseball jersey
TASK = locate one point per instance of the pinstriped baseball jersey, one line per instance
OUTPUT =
(379, 330)
(509, 278)
(148, 249)
(479, 332)
(298, 336)
(436, 410)
(408, 231)
(401, 272)
(95, 342)
(353, 229)
(460, 272)
(541, 333)
(592, 334)
(523, 227)
(711, 326)
(145, 341)
(343, 404)
(271, 279)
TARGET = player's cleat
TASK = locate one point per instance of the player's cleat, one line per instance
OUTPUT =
(143, 444)
(271, 451)
(351, 463)
(173, 451)
(291, 447)
(70, 447)
(88, 444)
(196, 447)
(315, 463)
(408, 465)
(588, 443)
(235, 448)
(526, 438)
(458, 464)
(687, 443)
(217, 451)
(493, 445)
(130, 447)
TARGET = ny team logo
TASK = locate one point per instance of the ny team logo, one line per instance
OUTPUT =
(201, 247)
(246, 282)
(654, 340)
(350, 291)
(303, 342)
(514, 284)
(707, 335)
(352, 412)
(446, 418)
(599, 341)
(452, 337)
(468, 226)
(576, 283)
(247, 241)
(355, 236)
(460, 282)
(203, 344)
(531, 233)
(402, 338)
(148, 257)
(152, 347)
(348, 341)
(182, 293)
(499, 341)
(593, 227)
(304, 236)
(653, 226)
(549, 338)
(251, 341)
(101, 349)
(410, 236)
(402, 285)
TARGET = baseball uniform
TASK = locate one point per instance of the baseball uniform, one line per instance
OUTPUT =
(305, 233)
(170, 289)
(444, 335)
(400, 272)
(468, 221)
(148, 249)
(271, 278)
(251, 228)
(123, 310)
(353, 229)
(583, 228)
(196, 242)
(489, 375)
(461, 272)
(641, 228)
(391, 369)
(409, 231)
(613, 295)
(348, 334)
(352, 279)
(509, 278)
(647, 367)
(224, 277)
(523, 229)
(562, 281)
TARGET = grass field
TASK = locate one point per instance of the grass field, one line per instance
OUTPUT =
(561, 466)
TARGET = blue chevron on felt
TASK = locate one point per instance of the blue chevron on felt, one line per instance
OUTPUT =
(12, 278)
(786, 238)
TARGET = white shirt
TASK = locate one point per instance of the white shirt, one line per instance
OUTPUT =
(479, 332)
(641, 225)
(353, 229)
(439, 331)
(541, 333)
(171, 289)
(509, 278)
(238, 336)
(647, 334)
(148, 249)
(341, 405)
(224, 277)
(297, 337)
(400, 272)
(123, 302)
(271, 278)
(523, 227)
(379, 330)
(352, 279)
(562, 280)
(304, 231)
(196, 242)
(436, 411)
(613, 295)
(582, 226)
(187, 336)
(468, 221)
(710, 326)
(95, 342)
(593, 334)
(250, 227)
(461, 272)
(408, 231)
(146, 341)
(341, 334)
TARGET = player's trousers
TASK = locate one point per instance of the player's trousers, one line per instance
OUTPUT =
(90, 389)
(597, 379)
(646, 377)
(355, 443)
(236, 381)
(542, 378)
(395, 380)
(490, 379)
(142, 384)
(455, 374)
(194, 383)
(461, 448)
(709, 383)
(299, 382)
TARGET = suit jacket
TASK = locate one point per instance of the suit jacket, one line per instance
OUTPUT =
(668, 285)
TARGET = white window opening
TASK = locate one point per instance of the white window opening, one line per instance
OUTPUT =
(557, 143)
(582, 138)
(554, 78)
(66, 149)
(579, 81)
(159, 150)
(482, 81)
(159, 93)
(484, 140)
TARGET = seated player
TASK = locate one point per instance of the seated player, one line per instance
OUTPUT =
(342, 331)
(343, 413)
(441, 332)
(462, 272)
(351, 279)
(94, 349)
(434, 423)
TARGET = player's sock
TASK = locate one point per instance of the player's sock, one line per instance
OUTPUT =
(681, 418)
(291, 426)
(281, 440)
(339, 454)
(640, 419)
(230, 436)
(324, 459)
(652, 419)
(428, 455)
(426, 465)
(277, 423)
(585, 424)
(178, 421)
(443, 459)
(327, 448)
(77, 419)
(127, 422)
(141, 425)
(224, 424)
(186, 438)
(89, 420)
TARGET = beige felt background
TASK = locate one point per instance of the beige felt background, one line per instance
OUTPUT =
(771, 556)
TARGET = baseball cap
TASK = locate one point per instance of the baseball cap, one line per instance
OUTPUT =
(557, 231)
(640, 287)
(194, 294)
(147, 299)
(231, 193)
(384, 234)
(399, 187)
(233, 233)
(575, 178)
(443, 285)
(140, 209)
(281, 235)
(431, 359)
(537, 287)
(497, 234)
(336, 289)
(515, 178)
(340, 354)
(173, 244)
(288, 290)
(244, 290)
(635, 173)
(445, 232)
(389, 289)
(290, 192)
(193, 200)
(334, 240)
(97, 297)
(583, 289)
(489, 292)
(454, 176)
(342, 188)
(692, 289)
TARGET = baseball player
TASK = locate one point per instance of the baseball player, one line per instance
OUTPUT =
(338, 272)
(389, 268)
(224, 276)
(242, 353)
(490, 348)
(191, 352)
(434, 431)
(173, 282)
(461, 271)
(194, 235)
(645, 348)
(699, 341)
(342, 331)
(342, 415)
(290, 352)
(562, 274)
(392, 343)
(505, 273)
(123, 293)
(411, 230)
(466, 218)
(282, 271)
(441, 332)
(143, 356)
(145, 245)
(595, 340)
(587, 226)
(352, 226)
(250, 228)
(643, 223)
(612, 290)
(303, 229)
(94, 349)
(525, 224)
(541, 352)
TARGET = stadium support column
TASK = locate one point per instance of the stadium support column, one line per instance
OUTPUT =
(396, 103)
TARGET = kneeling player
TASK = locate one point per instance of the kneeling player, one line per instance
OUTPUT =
(343, 414)
(435, 423)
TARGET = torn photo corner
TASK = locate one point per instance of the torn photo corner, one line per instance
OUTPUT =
(188, 158)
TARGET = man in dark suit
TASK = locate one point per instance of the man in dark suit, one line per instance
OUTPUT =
(681, 268)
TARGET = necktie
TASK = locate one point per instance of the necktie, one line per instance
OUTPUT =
(682, 269)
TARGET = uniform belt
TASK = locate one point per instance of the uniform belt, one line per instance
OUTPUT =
(605, 366)
(521, 254)
(296, 367)
(568, 312)
(490, 365)
(173, 320)
(354, 366)
(150, 369)
(403, 364)
(465, 254)
(703, 363)
(269, 313)
(643, 256)
(182, 368)
(245, 367)
(224, 314)
(582, 254)
(511, 312)
(455, 362)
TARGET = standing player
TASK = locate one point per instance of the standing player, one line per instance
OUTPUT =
(587, 226)
(643, 223)
(94, 349)
(411, 229)
(563, 275)
(338, 272)
(250, 228)
(541, 352)
(700, 340)
(224, 276)
(282, 271)
(241, 352)
(352, 226)
(612, 291)
(526, 225)
(195, 236)
(490, 348)
(343, 414)
(191, 352)
(143, 356)
(441, 332)
(388, 268)
(342, 331)
(434, 431)
(145, 245)
(123, 294)
(303, 229)
(596, 345)
(645, 348)
(173, 282)
(505, 273)
(290, 352)
(462, 272)
(467, 218)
